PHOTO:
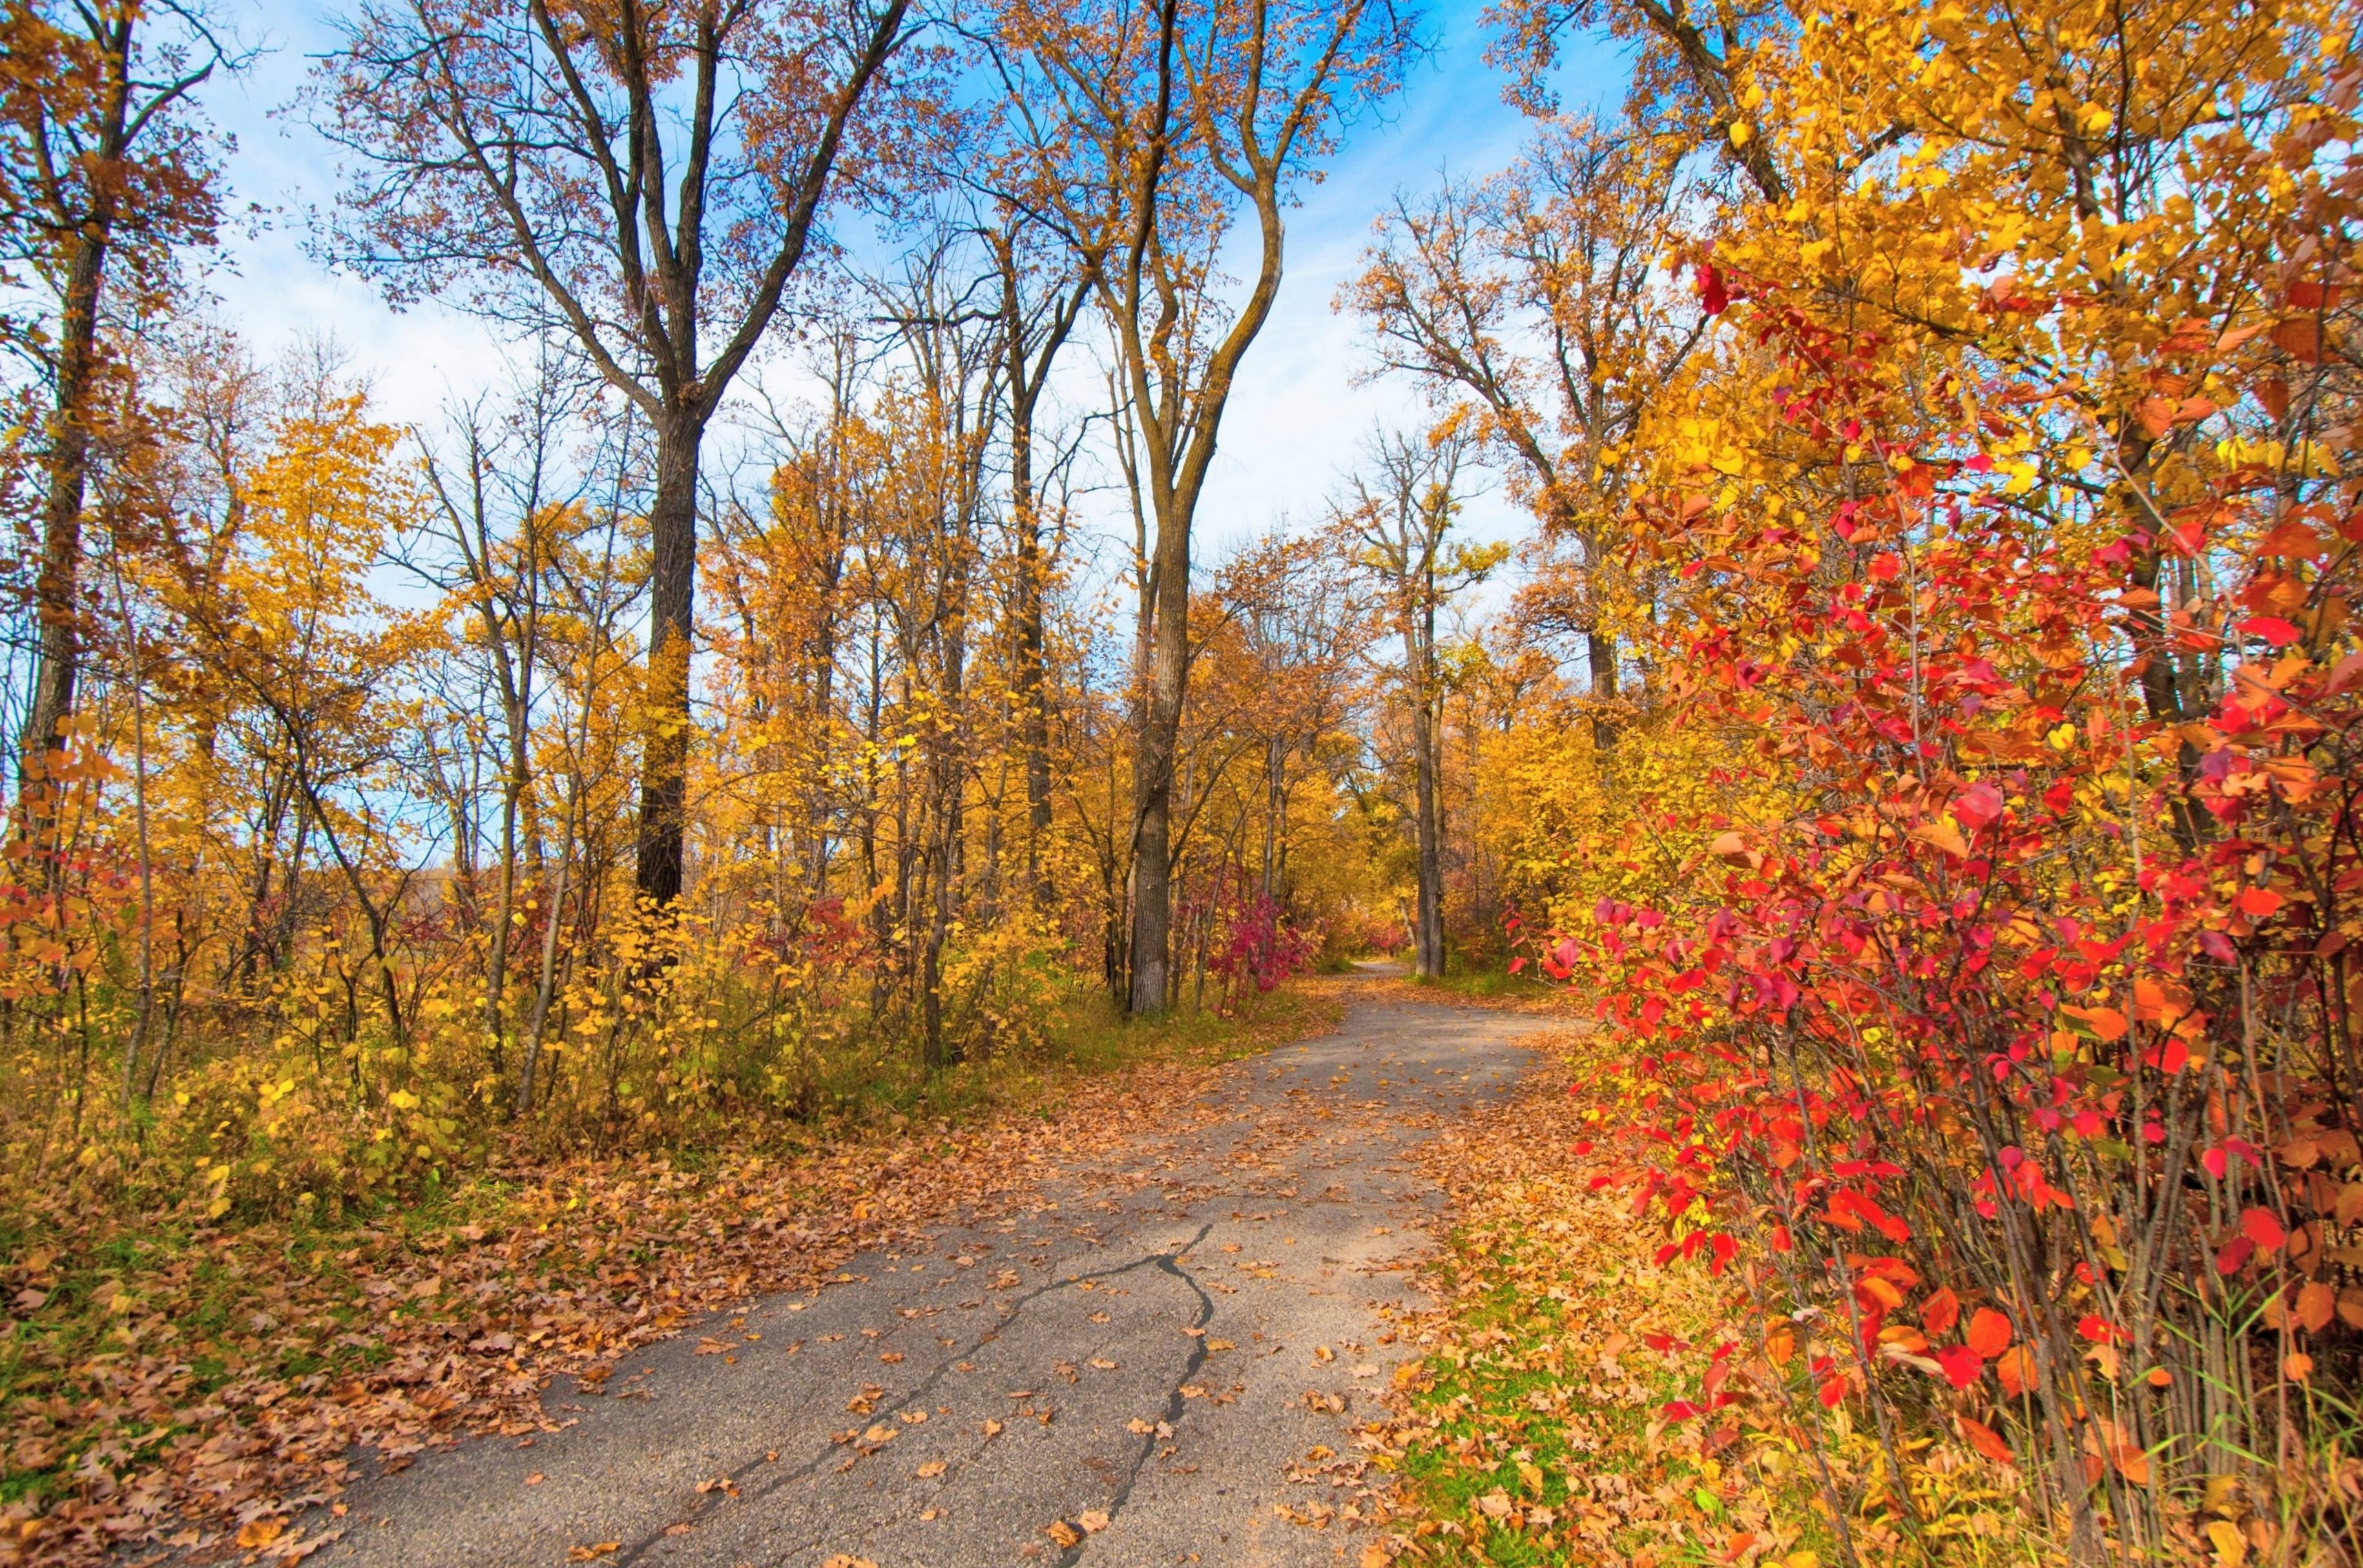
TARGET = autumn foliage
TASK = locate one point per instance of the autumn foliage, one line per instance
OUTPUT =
(1923, 731)
(1985, 1007)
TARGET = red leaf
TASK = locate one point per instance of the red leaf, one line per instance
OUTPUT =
(1940, 1312)
(2258, 902)
(1713, 298)
(1963, 1366)
(2276, 632)
(2234, 1255)
(1989, 1333)
(1724, 1250)
(1832, 1392)
(2264, 1227)
(1977, 806)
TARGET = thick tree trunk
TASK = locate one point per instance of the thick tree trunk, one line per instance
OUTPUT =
(1152, 847)
(57, 590)
(1599, 652)
(672, 542)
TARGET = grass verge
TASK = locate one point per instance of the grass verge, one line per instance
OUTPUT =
(1565, 1405)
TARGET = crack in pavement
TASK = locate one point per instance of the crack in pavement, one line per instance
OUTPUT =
(1166, 1260)
(1171, 1263)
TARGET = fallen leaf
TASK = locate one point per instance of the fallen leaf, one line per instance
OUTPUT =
(1063, 1533)
(536, 1479)
(1094, 1520)
(261, 1532)
(592, 1553)
(931, 1469)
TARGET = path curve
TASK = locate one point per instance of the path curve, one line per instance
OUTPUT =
(1122, 1373)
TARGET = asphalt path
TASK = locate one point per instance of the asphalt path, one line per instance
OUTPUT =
(1124, 1372)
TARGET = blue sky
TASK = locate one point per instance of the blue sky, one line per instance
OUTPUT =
(1293, 423)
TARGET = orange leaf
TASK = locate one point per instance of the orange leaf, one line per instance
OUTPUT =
(1989, 1333)
(1984, 1439)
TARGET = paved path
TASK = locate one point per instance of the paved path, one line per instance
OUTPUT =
(1122, 1375)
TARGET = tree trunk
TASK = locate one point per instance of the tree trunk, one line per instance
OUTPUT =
(1152, 847)
(673, 543)
(1031, 682)
(1427, 936)
(1600, 652)
(56, 592)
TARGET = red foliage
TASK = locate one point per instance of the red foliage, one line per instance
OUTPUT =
(2032, 978)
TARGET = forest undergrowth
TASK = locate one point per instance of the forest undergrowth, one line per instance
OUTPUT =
(224, 1372)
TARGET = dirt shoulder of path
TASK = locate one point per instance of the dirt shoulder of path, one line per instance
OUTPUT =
(258, 1370)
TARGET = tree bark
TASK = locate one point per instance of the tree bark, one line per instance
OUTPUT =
(1161, 731)
(672, 544)
(1032, 675)
(1427, 937)
(57, 590)
(1599, 652)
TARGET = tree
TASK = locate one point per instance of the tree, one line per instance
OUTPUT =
(487, 545)
(648, 178)
(1144, 130)
(1038, 309)
(106, 175)
(1696, 68)
(1540, 297)
(1400, 512)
